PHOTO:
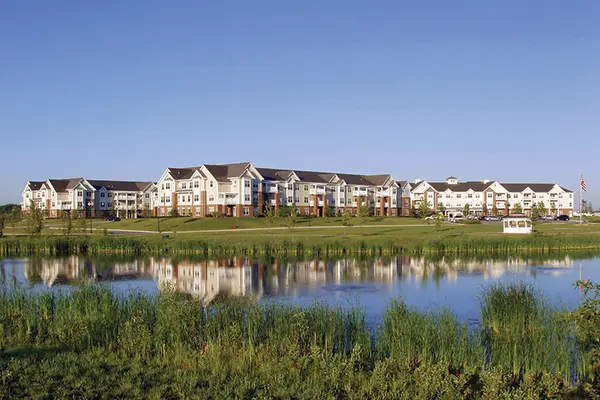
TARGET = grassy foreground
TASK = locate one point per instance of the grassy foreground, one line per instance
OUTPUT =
(91, 343)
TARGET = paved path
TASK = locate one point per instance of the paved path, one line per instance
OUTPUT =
(262, 229)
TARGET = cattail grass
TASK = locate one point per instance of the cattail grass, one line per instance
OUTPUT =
(497, 245)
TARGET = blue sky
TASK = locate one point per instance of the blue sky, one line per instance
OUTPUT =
(476, 89)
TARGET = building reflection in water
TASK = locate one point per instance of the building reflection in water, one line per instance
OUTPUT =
(249, 277)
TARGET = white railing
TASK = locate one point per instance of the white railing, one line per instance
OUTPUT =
(362, 192)
(316, 190)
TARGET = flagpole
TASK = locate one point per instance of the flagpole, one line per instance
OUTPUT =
(580, 195)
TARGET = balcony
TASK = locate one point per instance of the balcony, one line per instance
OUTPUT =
(318, 190)
(361, 192)
(320, 203)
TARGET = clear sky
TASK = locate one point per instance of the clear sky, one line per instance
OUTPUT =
(113, 89)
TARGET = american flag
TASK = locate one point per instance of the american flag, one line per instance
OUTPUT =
(583, 186)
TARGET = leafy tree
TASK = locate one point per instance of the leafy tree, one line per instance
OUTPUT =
(15, 216)
(466, 209)
(553, 209)
(6, 209)
(484, 209)
(363, 208)
(542, 210)
(270, 214)
(507, 207)
(438, 219)
(586, 207)
(494, 209)
(68, 224)
(34, 220)
(347, 221)
(174, 213)
(292, 219)
(146, 212)
(2, 224)
(517, 209)
(423, 208)
(535, 214)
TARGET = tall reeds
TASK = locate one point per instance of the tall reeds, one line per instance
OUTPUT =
(306, 246)
(519, 334)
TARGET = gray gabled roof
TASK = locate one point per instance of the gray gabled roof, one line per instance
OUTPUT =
(536, 187)
(274, 174)
(476, 186)
(125, 186)
(222, 172)
(62, 185)
(183, 173)
(35, 185)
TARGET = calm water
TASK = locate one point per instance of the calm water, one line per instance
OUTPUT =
(421, 283)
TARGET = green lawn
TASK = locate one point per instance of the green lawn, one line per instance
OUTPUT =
(197, 224)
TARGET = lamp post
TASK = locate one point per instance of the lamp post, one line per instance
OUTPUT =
(91, 218)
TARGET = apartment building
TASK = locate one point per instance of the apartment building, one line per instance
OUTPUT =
(491, 197)
(241, 189)
(88, 198)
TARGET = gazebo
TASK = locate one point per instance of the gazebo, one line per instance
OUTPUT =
(517, 223)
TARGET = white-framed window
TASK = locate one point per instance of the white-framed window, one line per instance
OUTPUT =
(458, 196)
(197, 212)
(246, 183)
(289, 199)
(297, 200)
(196, 183)
(477, 196)
(79, 193)
(211, 210)
(515, 196)
(489, 195)
(168, 185)
(196, 198)
(168, 200)
(183, 185)
(211, 198)
(247, 197)
(306, 199)
(211, 184)
(470, 195)
(246, 211)
(306, 187)
(306, 211)
(189, 198)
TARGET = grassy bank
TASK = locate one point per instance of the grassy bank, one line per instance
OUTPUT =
(93, 343)
(273, 245)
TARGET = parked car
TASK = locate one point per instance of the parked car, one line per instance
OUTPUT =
(562, 217)
(457, 218)
(113, 218)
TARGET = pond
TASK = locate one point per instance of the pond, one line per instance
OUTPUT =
(423, 284)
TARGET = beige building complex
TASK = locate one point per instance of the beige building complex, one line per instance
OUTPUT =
(241, 189)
